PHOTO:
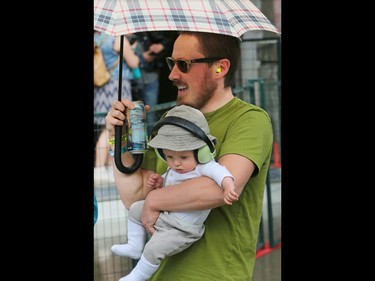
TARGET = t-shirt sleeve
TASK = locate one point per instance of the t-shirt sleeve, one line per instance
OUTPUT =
(250, 136)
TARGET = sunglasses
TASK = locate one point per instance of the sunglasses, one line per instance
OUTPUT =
(183, 65)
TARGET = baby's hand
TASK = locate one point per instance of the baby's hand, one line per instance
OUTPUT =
(230, 195)
(155, 181)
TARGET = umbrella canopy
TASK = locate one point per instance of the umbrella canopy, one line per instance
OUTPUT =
(233, 18)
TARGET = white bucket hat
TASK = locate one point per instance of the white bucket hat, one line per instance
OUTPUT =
(178, 139)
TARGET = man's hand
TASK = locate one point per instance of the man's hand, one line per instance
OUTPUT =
(116, 115)
(149, 218)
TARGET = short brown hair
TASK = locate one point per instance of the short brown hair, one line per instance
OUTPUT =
(224, 46)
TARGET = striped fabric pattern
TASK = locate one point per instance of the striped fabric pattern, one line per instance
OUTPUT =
(233, 17)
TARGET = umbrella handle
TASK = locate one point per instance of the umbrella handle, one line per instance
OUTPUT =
(137, 157)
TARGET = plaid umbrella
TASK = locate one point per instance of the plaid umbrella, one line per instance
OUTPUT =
(120, 17)
(229, 17)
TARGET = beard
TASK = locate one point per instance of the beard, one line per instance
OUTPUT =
(201, 97)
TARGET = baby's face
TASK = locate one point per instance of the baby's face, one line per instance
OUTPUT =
(180, 161)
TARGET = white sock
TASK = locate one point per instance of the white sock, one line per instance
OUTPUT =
(136, 242)
(142, 271)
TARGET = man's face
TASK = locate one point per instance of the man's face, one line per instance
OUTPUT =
(195, 87)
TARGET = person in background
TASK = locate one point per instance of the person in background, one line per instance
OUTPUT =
(188, 156)
(104, 96)
(203, 68)
(151, 47)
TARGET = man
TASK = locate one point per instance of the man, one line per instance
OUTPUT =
(203, 67)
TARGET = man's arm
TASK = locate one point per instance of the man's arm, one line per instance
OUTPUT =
(131, 187)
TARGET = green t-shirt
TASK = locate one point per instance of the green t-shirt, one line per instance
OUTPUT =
(227, 249)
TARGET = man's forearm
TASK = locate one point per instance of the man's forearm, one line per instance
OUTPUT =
(131, 187)
(196, 194)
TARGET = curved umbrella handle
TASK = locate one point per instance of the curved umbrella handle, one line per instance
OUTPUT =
(137, 157)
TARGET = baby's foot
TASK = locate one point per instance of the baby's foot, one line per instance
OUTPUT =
(126, 250)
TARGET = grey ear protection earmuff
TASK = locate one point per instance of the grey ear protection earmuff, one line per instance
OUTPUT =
(202, 155)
